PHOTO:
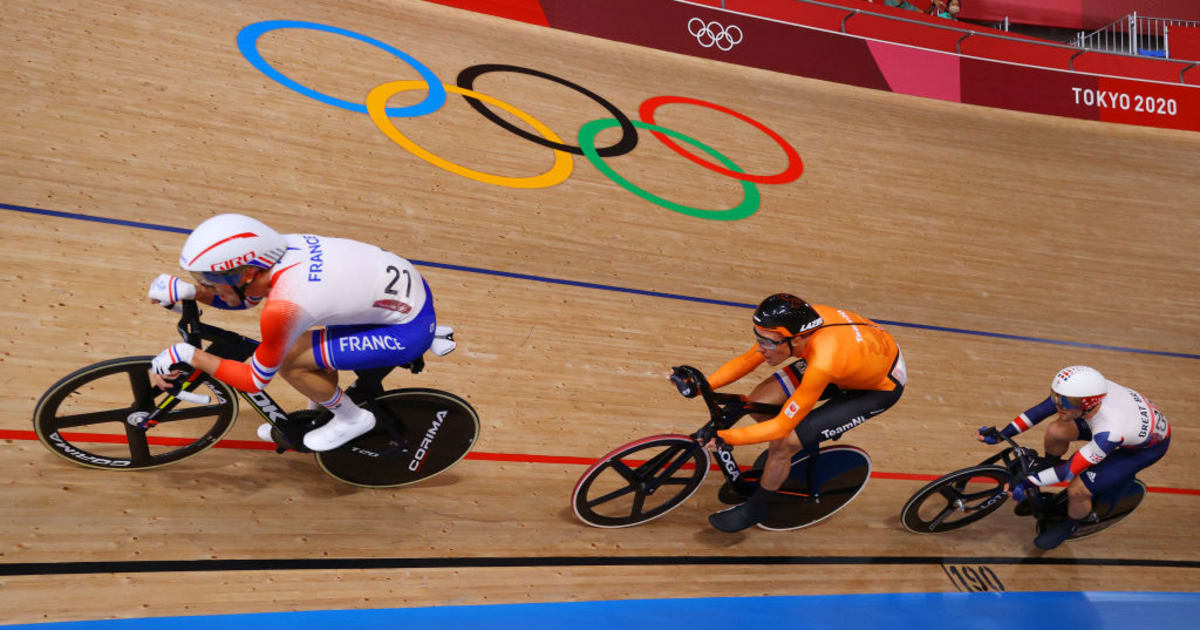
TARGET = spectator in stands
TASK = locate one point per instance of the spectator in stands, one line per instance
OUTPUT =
(899, 4)
(945, 9)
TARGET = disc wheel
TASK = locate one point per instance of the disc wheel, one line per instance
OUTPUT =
(1113, 512)
(90, 417)
(640, 481)
(956, 500)
(841, 474)
(439, 427)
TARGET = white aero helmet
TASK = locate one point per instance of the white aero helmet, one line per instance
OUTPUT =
(1078, 387)
(221, 248)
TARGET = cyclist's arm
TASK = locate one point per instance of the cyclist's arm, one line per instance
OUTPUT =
(736, 368)
(1032, 416)
(207, 295)
(1089, 454)
(281, 323)
(794, 410)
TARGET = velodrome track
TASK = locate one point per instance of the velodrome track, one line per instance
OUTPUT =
(996, 246)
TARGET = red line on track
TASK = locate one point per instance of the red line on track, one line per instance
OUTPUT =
(255, 445)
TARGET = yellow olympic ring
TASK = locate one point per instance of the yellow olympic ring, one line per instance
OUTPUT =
(377, 103)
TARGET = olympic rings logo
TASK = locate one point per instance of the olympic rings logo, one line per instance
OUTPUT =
(380, 114)
(713, 33)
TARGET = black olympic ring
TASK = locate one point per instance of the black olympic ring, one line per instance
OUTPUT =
(629, 135)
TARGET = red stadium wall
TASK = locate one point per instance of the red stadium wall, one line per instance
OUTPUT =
(1077, 14)
(523, 10)
(1133, 67)
(1185, 42)
(772, 44)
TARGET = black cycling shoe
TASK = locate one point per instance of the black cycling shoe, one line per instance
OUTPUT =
(1025, 508)
(739, 517)
(1055, 533)
(737, 492)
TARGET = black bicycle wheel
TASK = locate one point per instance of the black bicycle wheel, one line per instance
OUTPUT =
(1110, 511)
(842, 472)
(956, 500)
(90, 416)
(440, 428)
(640, 481)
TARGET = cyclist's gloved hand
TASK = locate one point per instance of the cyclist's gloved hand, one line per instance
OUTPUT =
(684, 383)
(169, 290)
(178, 353)
(709, 434)
(1021, 489)
(989, 435)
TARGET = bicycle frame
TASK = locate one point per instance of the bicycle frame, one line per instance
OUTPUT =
(233, 346)
(225, 344)
(725, 410)
(1021, 462)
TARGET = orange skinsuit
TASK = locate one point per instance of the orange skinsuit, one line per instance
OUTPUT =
(849, 356)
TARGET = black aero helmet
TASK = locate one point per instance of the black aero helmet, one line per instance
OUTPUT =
(787, 315)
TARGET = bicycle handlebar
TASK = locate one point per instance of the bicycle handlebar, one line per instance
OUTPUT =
(196, 332)
(1026, 460)
(724, 409)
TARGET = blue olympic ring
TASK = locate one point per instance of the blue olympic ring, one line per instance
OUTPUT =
(247, 41)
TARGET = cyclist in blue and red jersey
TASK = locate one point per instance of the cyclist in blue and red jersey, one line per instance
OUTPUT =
(1126, 433)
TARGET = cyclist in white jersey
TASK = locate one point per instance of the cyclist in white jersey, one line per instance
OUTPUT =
(1126, 434)
(330, 304)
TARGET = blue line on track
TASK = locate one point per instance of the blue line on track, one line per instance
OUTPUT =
(88, 217)
(617, 289)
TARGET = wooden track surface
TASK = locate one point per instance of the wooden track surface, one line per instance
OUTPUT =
(909, 210)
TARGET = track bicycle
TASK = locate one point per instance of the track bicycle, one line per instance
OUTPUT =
(419, 432)
(647, 478)
(964, 496)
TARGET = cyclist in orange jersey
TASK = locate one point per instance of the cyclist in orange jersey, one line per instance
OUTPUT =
(842, 358)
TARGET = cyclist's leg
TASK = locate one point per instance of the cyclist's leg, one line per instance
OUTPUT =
(300, 370)
(317, 383)
(772, 391)
(844, 411)
(360, 348)
(775, 390)
(368, 346)
(1113, 472)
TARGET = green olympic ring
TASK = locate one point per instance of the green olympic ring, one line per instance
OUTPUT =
(587, 141)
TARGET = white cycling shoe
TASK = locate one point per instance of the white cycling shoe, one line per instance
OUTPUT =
(443, 341)
(264, 432)
(337, 432)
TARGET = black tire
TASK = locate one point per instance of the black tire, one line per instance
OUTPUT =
(621, 488)
(116, 394)
(441, 429)
(956, 500)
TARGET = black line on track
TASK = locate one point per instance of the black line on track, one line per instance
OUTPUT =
(162, 566)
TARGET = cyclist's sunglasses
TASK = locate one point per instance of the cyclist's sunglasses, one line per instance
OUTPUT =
(212, 278)
(770, 344)
(1066, 402)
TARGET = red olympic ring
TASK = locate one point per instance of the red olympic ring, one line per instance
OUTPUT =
(794, 168)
